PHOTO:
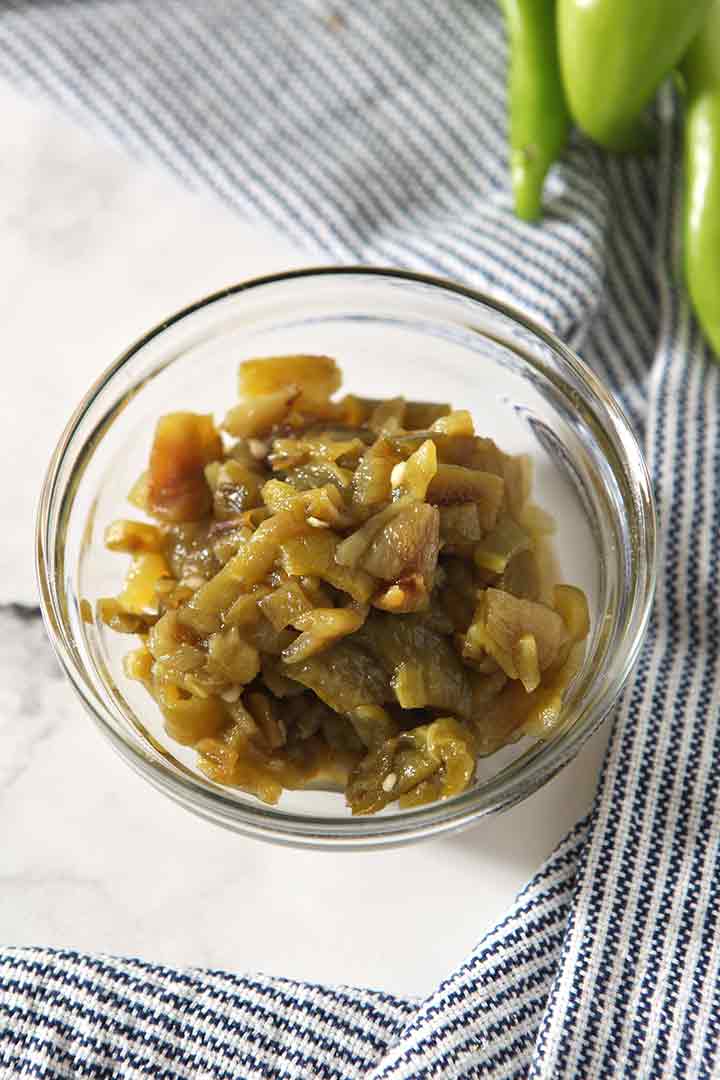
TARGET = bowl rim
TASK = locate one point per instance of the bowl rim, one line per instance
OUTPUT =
(300, 829)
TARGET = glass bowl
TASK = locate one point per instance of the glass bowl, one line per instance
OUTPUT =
(392, 333)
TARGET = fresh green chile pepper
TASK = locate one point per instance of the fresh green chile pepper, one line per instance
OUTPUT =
(700, 72)
(613, 56)
(539, 120)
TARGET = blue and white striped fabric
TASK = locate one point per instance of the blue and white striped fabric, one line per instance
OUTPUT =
(376, 129)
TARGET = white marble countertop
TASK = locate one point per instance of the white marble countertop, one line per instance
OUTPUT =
(95, 249)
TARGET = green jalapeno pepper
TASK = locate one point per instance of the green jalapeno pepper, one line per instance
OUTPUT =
(539, 120)
(700, 71)
(613, 56)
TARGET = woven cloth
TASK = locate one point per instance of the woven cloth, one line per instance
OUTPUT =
(376, 130)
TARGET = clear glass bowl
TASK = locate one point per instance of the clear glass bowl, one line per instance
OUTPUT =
(392, 333)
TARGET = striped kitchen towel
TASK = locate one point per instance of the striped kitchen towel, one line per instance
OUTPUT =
(376, 130)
